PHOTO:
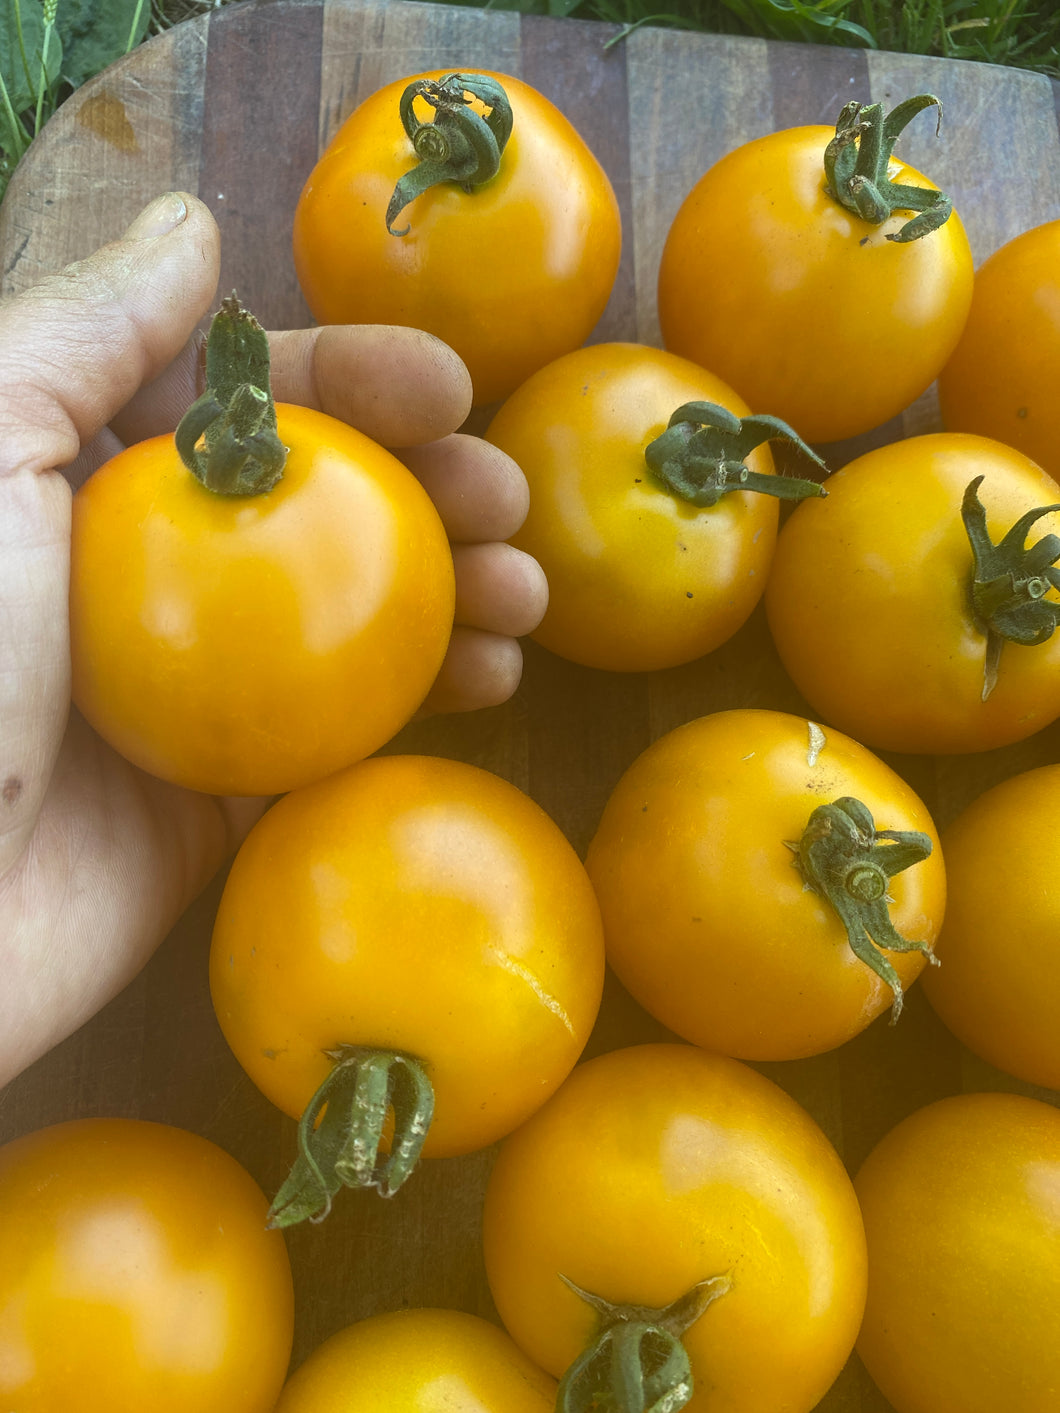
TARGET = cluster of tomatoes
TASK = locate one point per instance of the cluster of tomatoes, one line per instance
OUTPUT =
(664, 1227)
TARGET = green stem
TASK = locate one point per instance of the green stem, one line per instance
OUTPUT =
(1010, 581)
(856, 163)
(636, 1362)
(340, 1135)
(841, 857)
(458, 145)
(235, 418)
(701, 456)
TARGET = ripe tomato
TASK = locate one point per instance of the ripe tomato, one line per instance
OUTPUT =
(803, 306)
(963, 1230)
(510, 273)
(243, 645)
(639, 577)
(415, 905)
(869, 599)
(137, 1273)
(998, 988)
(662, 1166)
(707, 918)
(1002, 378)
(419, 1361)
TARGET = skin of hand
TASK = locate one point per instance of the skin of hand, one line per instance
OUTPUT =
(97, 859)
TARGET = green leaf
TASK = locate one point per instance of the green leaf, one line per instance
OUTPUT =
(96, 32)
(21, 48)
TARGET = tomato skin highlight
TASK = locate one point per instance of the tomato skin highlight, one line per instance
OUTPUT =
(707, 920)
(998, 988)
(137, 1274)
(656, 1167)
(1002, 377)
(868, 600)
(963, 1231)
(806, 309)
(419, 1361)
(510, 275)
(414, 904)
(247, 645)
(639, 579)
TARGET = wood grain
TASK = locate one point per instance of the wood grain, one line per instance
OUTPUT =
(235, 106)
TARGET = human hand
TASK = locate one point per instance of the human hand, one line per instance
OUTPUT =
(97, 859)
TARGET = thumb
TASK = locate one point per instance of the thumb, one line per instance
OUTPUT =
(77, 346)
(73, 350)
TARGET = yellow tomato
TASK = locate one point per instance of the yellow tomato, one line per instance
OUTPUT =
(804, 307)
(418, 905)
(511, 274)
(638, 577)
(419, 1361)
(137, 1274)
(244, 645)
(962, 1220)
(662, 1166)
(709, 922)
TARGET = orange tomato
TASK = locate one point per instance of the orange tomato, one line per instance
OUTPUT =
(998, 988)
(659, 1167)
(639, 578)
(707, 919)
(869, 599)
(804, 307)
(244, 645)
(963, 1230)
(510, 274)
(137, 1274)
(419, 1361)
(1002, 378)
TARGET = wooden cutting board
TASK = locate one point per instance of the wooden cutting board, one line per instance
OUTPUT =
(236, 106)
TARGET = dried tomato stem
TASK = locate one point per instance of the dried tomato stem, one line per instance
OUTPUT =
(701, 456)
(636, 1363)
(841, 857)
(856, 168)
(235, 418)
(340, 1133)
(459, 145)
(1010, 581)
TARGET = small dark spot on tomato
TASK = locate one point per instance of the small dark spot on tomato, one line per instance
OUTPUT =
(269, 1054)
(644, 809)
(697, 919)
(863, 241)
(688, 595)
(637, 480)
(12, 790)
(683, 547)
(1022, 411)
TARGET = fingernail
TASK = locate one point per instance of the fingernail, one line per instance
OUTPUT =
(158, 218)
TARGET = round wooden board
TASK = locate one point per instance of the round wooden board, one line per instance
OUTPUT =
(236, 106)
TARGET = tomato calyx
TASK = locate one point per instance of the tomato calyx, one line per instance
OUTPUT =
(343, 1148)
(636, 1363)
(840, 856)
(701, 456)
(459, 145)
(235, 418)
(856, 162)
(1010, 582)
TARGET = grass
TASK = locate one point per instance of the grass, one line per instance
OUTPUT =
(80, 37)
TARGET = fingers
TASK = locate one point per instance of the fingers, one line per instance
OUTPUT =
(499, 588)
(75, 348)
(480, 670)
(398, 386)
(479, 491)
